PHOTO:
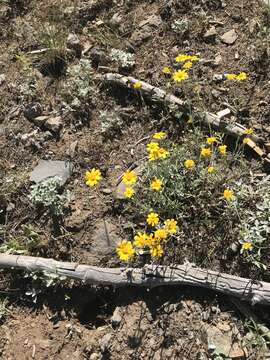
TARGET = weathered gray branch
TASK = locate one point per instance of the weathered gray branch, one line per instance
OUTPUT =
(149, 276)
(159, 95)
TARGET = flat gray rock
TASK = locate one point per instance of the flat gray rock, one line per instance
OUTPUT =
(51, 168)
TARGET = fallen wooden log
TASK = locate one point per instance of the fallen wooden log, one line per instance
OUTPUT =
(214, 121)
(148, 276)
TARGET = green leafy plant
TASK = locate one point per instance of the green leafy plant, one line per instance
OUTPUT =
(46, 193)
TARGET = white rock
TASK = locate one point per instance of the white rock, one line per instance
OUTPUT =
(229, 37)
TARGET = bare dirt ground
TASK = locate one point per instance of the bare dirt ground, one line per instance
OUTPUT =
(75, 322)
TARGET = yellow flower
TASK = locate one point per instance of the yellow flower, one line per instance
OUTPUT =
(228, 194)
(137, 85)
(187, 65)
(166, 70)
(193, 58)
(171, 226)
(156, 251)
(159, 135)
(125, 250)
(141, 240)
(180, 75)
(248, 131)
(189, 164)
(182, 58)
(241, 76)
(160, 234)
(211, 140)
(247, 246)
(156, 184)
(92, 177)
(152, 219)
(211, 169)
(205, 152)
(163, 153)
(230, 76)
(152, 146)
(129, 177)
(245, 141)
(222, 149)
(153, 155)
(129, 192)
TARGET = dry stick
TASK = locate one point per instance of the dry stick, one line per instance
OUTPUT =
(149, 276)
(159, 95)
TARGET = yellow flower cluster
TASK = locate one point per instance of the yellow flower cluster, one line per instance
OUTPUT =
(182, 74)
(156, 152)
(129, 178)
(228, 194)
(126, 249)
(240, 77)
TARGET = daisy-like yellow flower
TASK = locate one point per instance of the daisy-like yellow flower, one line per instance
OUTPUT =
(245, 141)
(166, 70)
(228, 194)
(211, 169)
(129, 177)
(222, 149)
(163, 153)
(180, 75)
(152, 219)
(189, 164)
(160, 234)
(137, 85)
(129, 192)
(248, 131)
(156, 184)
(92, 177)
(211, 140)
(205, 152)
(159, 135)
(125, 250)
(190, 120)
(141, 240)
(247, 246)
(182, 58)
(193, 58)
(187, 65)
(153, 155)
(152, 146)
(231, 76)
(156, 251)
(242, 76)
(171, 226)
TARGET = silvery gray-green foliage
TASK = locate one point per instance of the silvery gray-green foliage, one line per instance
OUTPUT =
(41, 280)
(110, 122)
(80, 78)
(180, 26)
(47, 194)
(124, 59)
(255, 227)
(3, 309)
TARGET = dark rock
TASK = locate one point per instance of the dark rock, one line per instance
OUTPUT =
(32, 111)
(99, 57)
(73, 43)
(105, 238)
